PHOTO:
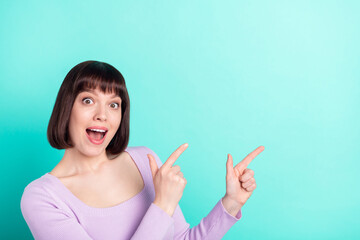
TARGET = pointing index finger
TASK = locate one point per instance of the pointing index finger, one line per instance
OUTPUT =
(175, 155)
(247, 160)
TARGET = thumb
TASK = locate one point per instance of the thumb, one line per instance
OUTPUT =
(229, 167)
(153, 166)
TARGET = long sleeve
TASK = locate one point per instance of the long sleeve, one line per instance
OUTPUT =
(46, 220)
(154, 225)
(212, 227)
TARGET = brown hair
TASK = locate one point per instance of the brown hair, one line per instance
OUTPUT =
(85, 76)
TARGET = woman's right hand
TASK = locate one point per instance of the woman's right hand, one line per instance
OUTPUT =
(169, 182)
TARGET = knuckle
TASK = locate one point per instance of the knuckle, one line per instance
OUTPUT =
(184, 181)
(176, 167)
(162, 173)
(245, 178)
(172, 174)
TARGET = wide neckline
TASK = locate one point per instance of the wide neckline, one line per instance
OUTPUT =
(135, 158)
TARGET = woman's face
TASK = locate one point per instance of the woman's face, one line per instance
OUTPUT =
(96, 111)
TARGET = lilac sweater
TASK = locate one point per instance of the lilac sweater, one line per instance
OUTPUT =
(53, 212)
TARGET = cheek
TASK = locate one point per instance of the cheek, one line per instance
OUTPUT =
(115, 125)
(81, 115)
(116, 120)
(78, 120)
(73, 128)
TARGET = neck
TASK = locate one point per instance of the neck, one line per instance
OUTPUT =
(77, 163)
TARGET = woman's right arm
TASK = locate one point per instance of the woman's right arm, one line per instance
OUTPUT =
(45, 220)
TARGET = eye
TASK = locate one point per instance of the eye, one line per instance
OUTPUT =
(116, 105)
(86, 99)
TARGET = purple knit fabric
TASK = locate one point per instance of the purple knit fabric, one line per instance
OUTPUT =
(52, 211)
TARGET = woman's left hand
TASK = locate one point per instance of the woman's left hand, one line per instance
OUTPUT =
(240, 181)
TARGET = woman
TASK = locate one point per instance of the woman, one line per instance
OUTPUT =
(103, 189)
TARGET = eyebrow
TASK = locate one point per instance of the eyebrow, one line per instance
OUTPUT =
(93, 92)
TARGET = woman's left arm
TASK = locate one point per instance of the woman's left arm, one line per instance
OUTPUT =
(240, 184)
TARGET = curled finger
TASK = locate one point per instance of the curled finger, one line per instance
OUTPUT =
(248, 173)
(251, 188)
(248, 183)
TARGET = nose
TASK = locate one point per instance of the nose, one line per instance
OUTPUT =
(100, 113)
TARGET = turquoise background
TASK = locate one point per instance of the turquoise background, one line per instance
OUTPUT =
(223, 76)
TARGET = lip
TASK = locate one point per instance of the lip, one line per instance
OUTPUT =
(97, 142)
(98, 127)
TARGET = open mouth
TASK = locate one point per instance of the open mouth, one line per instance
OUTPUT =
(95, 134)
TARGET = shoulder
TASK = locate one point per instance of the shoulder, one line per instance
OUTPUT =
(35, 191)
(34, 196)
(40, 197)
(143, 151)
(37, 184)
(45, 217)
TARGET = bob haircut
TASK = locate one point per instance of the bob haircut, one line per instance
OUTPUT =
(89, 75)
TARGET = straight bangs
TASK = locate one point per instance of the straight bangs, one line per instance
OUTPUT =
(97, 75)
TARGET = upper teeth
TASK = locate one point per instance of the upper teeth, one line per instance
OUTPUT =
(97, 130)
